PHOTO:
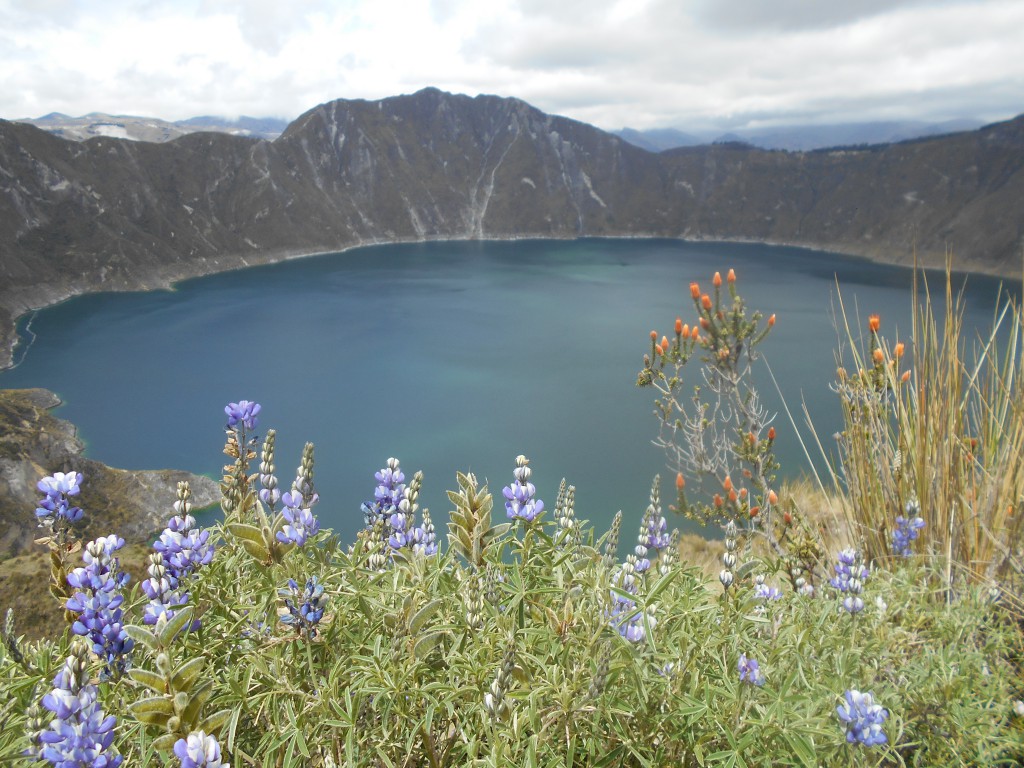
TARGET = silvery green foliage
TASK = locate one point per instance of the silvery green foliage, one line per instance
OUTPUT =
(501, 650)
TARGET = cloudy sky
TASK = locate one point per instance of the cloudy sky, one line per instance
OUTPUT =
(692, 64)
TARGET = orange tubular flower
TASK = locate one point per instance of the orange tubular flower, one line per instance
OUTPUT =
(718, 500)
(879, 356)
(680, 482)
(695, 291)
(705, 301)
(704, 323)
(664, 342)
(733, 496)
(897, 351)
(743, 493)
(695, 333)
(679, 326)
(658, 350)
(731, 277)
(773, 499)
(771, 433)
(727, 484)
(717, 281)
(685, 330)
(771, 321)
(654, 335)
(905, 377)
(874, 323)
(754, 511)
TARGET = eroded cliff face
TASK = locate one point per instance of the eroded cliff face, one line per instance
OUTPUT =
(107, 214)
(34, 443)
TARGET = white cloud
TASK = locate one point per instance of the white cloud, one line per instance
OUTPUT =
(691, 64)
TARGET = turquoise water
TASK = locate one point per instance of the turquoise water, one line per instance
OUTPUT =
(449, 356)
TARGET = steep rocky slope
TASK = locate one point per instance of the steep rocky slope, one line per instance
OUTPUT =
(108, 214)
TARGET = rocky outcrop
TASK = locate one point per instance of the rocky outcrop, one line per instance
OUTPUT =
(108, 214)
(34, 443)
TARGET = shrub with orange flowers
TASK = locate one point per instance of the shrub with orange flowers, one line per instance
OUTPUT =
(716, 429)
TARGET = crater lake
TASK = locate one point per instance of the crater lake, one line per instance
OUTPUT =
(451, 356)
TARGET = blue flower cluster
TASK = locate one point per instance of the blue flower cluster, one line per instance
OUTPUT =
(79, 734)
(98, 601)
(851, 574)
(304, 608)
(300, 522)
(387, 495)
(180, 550)
(863, 719)
(750, 671)
(624, 616)
(907, 528)
(199, 750)
(55, 505)
(519, 497)
(395, 504)
(243, 412)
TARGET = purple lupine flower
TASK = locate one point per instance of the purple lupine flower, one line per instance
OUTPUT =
(907, 528)
(269, 493)
(79, 734)
(387, 495)
(243, 411)
(425, 537)
(849, 579)
(184, 546)
(624, 615)
(56, 504)
(750, 671)
(162, 590)
(303, 609)
(657, 529)
(300, 522)
(863, 719)
(199, 750)
(519, 497)
(97, 602)
(764, 592)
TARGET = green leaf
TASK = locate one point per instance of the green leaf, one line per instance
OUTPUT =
(196, 703)
(216, 721)
(802, 747)
(187, 674)
(426, 644)
(152, 704)
(246, 532)
(174, 626)
(144, 636)
(258, 551)
(149, 679)
(166, 742)
(422, 616)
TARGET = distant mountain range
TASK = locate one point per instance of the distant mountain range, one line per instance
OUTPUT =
(798, 138)
(109, 214)
(151, 128)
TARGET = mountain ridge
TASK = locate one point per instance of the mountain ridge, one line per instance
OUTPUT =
(109, 214)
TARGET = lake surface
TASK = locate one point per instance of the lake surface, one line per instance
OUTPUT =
(449, 356)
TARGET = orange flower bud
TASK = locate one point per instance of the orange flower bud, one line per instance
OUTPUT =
(773, 498)
(733, 496)
(685, 330)
(679, 325)
(905, 377)
(879, 356)
(787, 518)
(664, 342)
(747, 474)
(695, 291)
(705, 301)
(704, 322)
(680, 482)
(754, 511)
(874, 323)
(771, 321)
(731, 277)
(658, 350)
(694, 333)
(897, 351)
(717, 281)
(654, 335)
(752, 438)
(727, 483)
(743, 493)
(718, 500)
(771, 433)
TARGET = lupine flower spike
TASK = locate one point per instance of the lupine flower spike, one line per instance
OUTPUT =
(750, 671)
(199, 750)
(519, 497)
(907, 528)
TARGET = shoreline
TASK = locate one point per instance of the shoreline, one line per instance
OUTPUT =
(10, 338)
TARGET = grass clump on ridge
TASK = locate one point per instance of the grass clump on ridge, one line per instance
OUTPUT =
(537, 641)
